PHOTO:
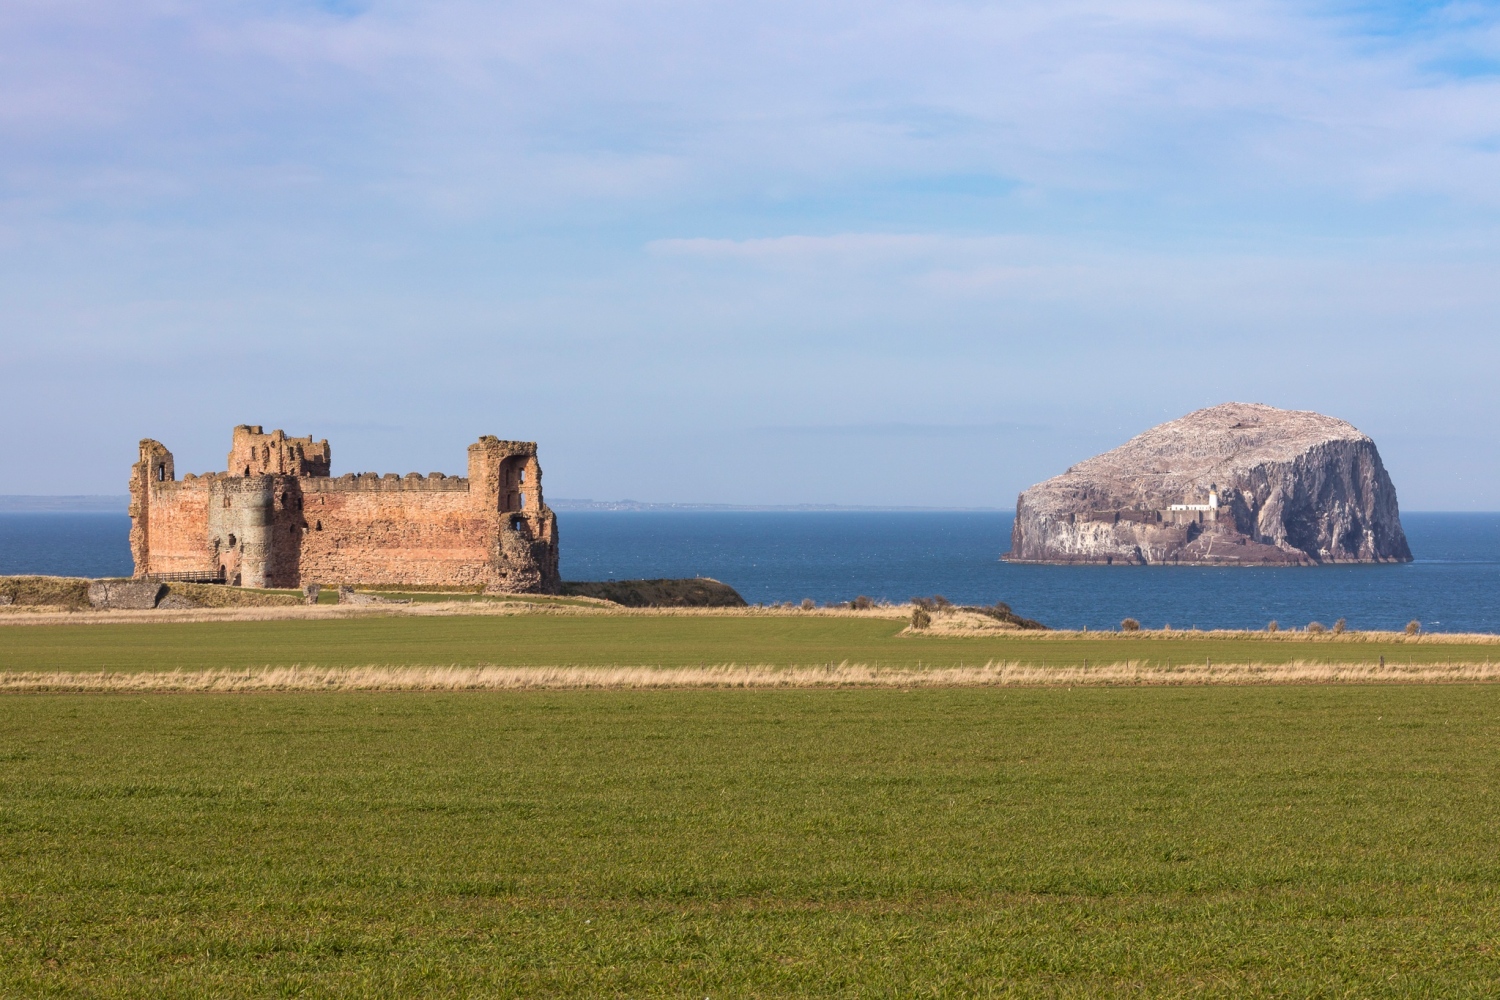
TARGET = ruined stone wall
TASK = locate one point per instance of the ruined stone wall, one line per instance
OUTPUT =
(252, 453)
(178, 529)
(374, 530)
(279, 530)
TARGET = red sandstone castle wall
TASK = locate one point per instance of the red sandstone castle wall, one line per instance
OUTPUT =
(281, 530)
(178, 528)
(370, 536)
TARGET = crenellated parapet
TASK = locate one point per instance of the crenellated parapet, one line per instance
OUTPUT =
(252, 453)
(277, 518)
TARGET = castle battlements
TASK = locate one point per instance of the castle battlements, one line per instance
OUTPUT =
(277, 518)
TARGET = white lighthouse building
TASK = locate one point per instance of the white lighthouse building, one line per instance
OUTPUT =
(1212, 505)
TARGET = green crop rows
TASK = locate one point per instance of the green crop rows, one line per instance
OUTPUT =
(1215, 841)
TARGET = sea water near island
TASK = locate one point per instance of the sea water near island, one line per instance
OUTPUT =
(771, 556)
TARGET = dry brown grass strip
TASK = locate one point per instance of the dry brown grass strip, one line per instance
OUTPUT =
(491, 678)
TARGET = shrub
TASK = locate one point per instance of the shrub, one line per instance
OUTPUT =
(699, 592)
(920, 617)
(940, 602)
(1413, 627)
(861, 603)
(1339, 626)
(1271, 626)
(1130, 625)
(922, 602)
(1317, 628)
(808, 604)
(1002, 612)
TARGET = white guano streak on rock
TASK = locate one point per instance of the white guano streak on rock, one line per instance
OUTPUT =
(1295, 488)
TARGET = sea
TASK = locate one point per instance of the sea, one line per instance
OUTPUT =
(773, 556)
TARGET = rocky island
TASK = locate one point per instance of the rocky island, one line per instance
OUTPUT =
(1235, 484)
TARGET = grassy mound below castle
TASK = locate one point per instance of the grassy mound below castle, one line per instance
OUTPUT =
(67, 593)
(54, 593)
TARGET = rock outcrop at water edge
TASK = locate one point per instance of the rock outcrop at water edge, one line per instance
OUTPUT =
(1235, 484)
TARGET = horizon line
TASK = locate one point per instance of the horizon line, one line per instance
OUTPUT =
(41, 503)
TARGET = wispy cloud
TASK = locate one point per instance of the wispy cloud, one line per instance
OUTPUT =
(828, 214)
(488, 105)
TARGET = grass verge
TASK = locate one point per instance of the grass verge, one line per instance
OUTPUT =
(549, 637)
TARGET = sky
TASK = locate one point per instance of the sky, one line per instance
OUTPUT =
(765, 252)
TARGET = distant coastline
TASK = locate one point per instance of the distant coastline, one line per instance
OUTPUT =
(79, 504)
(639, 505)
(119, 504)
(112, 504)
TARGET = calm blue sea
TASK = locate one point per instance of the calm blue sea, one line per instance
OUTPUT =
(1454, 585)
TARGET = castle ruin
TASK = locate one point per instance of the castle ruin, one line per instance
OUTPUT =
(277, 518)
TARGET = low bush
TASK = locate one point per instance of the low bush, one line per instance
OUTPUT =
(1000, 611)
(1130, 625)
(700, 592)
(1316, 628)
(1413, 627)
(920, 617)
(1339, 626)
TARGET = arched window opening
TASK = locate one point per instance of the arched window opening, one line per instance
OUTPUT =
(232, 541)
(318, 526)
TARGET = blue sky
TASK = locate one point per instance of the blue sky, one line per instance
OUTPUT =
(770, 252)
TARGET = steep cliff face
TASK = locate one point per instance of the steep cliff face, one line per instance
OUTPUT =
(1293, 488)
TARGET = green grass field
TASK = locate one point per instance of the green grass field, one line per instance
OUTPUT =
(553, 640)
(1212, 841)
